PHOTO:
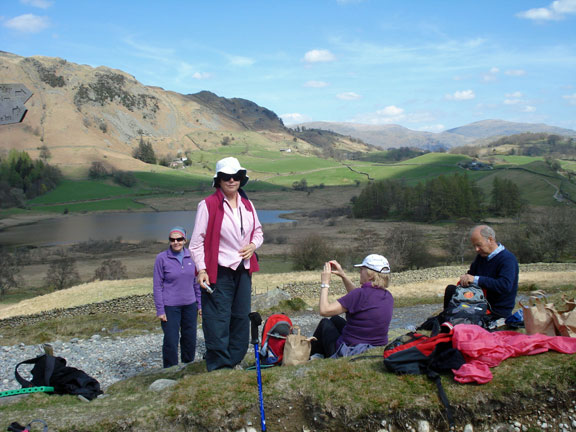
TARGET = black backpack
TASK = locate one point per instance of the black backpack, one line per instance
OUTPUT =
(52, 371)
(468, 305)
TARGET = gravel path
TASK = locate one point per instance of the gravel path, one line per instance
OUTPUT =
(113, 358)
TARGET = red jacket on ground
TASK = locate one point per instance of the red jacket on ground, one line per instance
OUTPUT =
(483, 350)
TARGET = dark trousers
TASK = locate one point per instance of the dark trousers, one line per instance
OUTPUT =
(225, 319)
(327, 334)
(448, 293)
(181, 323)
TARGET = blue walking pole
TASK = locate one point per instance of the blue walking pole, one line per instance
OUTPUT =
(256, 320)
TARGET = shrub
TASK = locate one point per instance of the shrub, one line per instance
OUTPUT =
(124, 178)
(97, 171)
(110, 269)
(311, 253)
(62, 273)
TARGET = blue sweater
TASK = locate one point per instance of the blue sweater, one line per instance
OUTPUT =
(499, 277)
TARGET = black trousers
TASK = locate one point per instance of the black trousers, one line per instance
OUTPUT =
(225, 319)
(181, 324)
(327, 333)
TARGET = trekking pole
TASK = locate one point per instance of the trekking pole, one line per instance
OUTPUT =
(255, 321)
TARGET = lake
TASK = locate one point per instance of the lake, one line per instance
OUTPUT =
(132, 226)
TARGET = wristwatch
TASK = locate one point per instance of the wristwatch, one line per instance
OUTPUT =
(324, 285)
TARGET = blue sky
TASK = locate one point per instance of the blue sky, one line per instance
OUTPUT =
(423, 64)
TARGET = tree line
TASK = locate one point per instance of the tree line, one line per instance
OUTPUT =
(444, 197)
(23, 178)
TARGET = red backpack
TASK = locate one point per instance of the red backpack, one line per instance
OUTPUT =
(276, 328)
(426, 355)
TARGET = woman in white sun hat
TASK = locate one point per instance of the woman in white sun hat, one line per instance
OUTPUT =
(226, 234)
(368, 310)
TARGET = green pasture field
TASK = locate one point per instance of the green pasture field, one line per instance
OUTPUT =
(288, 163)
(568, 165)
(518, 160)
(336, 176)
(437, 159)
(80, 190)
(120, 204)
(540, 167)
(534, 188)
(174, 180)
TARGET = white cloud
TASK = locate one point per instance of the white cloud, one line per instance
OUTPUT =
(396, 115)
(491, 75)
(28, 23)
(240, 61)
(515, 72)
(529, 109)
(294, 118)
(570, 98)
(557, 10)
(318, 56)
(41, 4)
(390, 111)
(461, 95)
(516, 94)
(201, 75)
(316, 84)
(511, 101)
(432, 128)
(348, 96)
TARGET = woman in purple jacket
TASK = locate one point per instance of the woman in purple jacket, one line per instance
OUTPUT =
(177, 299)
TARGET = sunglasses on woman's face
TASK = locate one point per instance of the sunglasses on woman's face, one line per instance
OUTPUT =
(179, 239)
(227, 177)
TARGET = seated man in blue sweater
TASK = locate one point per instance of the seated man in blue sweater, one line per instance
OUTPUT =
(495, 270)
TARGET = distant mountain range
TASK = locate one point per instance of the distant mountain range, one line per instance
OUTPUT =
(477, 133)
(85, 114)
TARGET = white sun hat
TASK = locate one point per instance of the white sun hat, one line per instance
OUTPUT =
(230, 165)
(375, 262)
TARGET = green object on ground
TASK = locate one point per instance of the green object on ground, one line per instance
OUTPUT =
(26, 390)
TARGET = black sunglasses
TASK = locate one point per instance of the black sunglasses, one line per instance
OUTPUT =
(179, 239)
(227, 177)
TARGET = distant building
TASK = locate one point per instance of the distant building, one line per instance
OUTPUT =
(287, 150)
(177, 163)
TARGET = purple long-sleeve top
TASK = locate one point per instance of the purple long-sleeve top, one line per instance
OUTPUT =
(174, 283)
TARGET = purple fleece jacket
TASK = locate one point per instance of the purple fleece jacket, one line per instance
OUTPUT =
(368, 317)
(174, 283)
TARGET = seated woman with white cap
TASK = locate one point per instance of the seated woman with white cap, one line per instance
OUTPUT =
(368, 310)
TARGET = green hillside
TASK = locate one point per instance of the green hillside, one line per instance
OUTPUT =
(271, 170)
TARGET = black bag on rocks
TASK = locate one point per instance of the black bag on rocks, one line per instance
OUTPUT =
(52, 371)
(17, 427)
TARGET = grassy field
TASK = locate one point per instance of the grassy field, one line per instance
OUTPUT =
(273, 170)
(82, 190)
(518, 160)
(328, 395)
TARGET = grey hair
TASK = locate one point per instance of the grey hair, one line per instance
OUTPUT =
(485, 231)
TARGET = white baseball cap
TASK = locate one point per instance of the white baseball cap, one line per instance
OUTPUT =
(375, 262)
(230, 165)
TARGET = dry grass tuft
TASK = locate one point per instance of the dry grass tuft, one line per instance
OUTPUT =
(93, 292)
(101, 291)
